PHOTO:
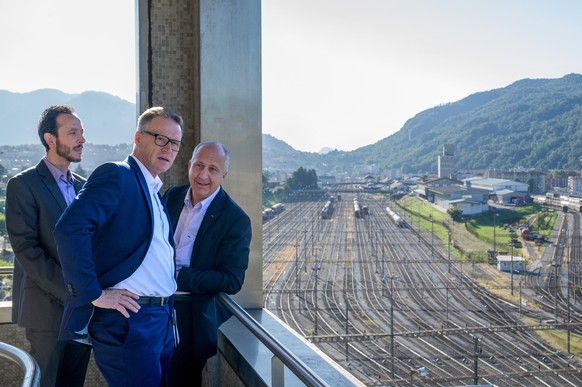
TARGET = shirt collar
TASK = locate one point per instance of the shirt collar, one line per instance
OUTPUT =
(154, 184)
(203, 203)
(57, 174)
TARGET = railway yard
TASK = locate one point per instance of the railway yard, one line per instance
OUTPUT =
(391, 305)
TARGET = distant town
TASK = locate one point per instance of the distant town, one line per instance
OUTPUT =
(452, 187)
(17, 158)
(468, 191)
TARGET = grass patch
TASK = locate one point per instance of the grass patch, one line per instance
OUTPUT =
(429, 219)
(425, 216)
(500, 227)
(559, 338)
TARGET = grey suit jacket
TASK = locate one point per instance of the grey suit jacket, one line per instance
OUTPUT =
(34, 203)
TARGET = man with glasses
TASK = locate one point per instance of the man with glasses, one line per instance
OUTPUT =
(117, 253)
(212, 239)
(35, 199)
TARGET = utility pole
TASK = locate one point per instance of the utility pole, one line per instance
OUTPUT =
(392, 326)
(315, 270)
(297, 284)
(555, 291)
(392, 278)
(431, 236)
(494, 240)
(476, 360)
(512, 269)
(568, 318)
(449, 251)
(447, 310)
(347, 309)
(520, 298)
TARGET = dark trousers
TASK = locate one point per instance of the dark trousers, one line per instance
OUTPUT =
(61, 363)
(185, 370)
(134, 351)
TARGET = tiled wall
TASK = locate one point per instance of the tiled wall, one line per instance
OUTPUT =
(174, 72)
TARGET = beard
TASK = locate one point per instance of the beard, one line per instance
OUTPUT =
(65, 152)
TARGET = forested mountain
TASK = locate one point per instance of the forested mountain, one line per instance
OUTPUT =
(533, 123)
(278, 154)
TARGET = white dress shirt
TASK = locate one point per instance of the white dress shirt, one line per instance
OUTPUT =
(187, 227)
(156, 274)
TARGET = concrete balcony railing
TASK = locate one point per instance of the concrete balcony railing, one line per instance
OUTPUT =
(255, 348)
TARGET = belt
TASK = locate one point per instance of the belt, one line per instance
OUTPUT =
(182, 297)
(152, 301)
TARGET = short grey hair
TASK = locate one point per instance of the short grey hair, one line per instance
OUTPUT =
(147, 116)
(215, 143)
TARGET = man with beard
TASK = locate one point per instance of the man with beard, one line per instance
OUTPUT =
(35, 199)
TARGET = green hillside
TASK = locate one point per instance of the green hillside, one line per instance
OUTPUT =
(532, 123)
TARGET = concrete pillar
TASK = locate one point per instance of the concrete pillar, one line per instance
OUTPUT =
(202, 58)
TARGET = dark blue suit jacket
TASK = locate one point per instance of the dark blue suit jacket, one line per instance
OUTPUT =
(220, 257)
(102, 238)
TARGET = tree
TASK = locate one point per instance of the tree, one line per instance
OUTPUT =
(266, 177)
(268, 197)
(2, 224)
(455, 214)
(531, 186)
(302, 179)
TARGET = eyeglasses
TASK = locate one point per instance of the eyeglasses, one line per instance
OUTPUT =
(162, 141)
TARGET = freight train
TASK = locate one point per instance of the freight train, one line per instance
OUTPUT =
(274, 210)
(358, 213)
(327, 210)
(563, 202)
(395, 217)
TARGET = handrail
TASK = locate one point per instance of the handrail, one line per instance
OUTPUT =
(304, 373)
(295, 365)
(6, 269)
(25, 361)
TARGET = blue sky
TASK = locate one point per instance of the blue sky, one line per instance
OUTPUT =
(336, 73)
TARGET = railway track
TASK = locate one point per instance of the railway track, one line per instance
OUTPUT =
(379, 299)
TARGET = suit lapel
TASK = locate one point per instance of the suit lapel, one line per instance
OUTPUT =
(142, 182)
(174, 209)
(49, 181)
(212, 214)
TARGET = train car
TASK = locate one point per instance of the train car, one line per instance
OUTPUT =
(574, 206)
(395, 217)
(550, 200)
(267, 214)
(357, 212)
(327, 210)
(365, 210)
(277, 208)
